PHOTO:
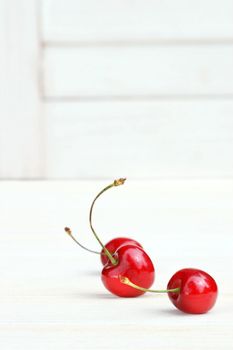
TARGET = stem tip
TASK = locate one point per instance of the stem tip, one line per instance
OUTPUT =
(119, 182)
(68, 230)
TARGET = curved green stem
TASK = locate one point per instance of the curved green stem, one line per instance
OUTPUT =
(106, 251)
(126, 281)
(68, 230)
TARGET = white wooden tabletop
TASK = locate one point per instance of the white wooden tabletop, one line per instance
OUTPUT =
(51, 294)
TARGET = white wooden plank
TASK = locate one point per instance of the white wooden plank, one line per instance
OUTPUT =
(51, 296)
(104, 336)
(140, 139)
(127, 20)
(21, 151)
(133, 71)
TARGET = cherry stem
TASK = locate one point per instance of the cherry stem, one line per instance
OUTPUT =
(106, 251)
(126, 281)
(68, 230)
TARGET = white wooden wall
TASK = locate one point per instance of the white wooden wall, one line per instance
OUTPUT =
(137, 88)
(21, 119)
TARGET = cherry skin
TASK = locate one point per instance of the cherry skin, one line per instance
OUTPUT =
(114, 244)
(198, 291)
(133, 263)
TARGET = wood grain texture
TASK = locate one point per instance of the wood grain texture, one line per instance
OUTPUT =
(140, 139)
(138, 20)
(51, 296)
(21, 147)
(129, 71)
(130, 88)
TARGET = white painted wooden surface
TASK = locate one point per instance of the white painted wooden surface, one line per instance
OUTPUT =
(21, 130)
(130, 71)
(100, 76)
(51, 296)
(127, 20)
(139, 88)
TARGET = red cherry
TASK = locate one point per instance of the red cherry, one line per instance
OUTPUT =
(198, 291)
(114, 244)
(133, 263)
(129, 260)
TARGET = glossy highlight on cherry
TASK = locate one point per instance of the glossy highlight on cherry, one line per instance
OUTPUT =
(134, 263)
(198, 291)
(116, 243)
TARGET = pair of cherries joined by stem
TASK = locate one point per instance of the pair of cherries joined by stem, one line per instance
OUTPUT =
(129, 272)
